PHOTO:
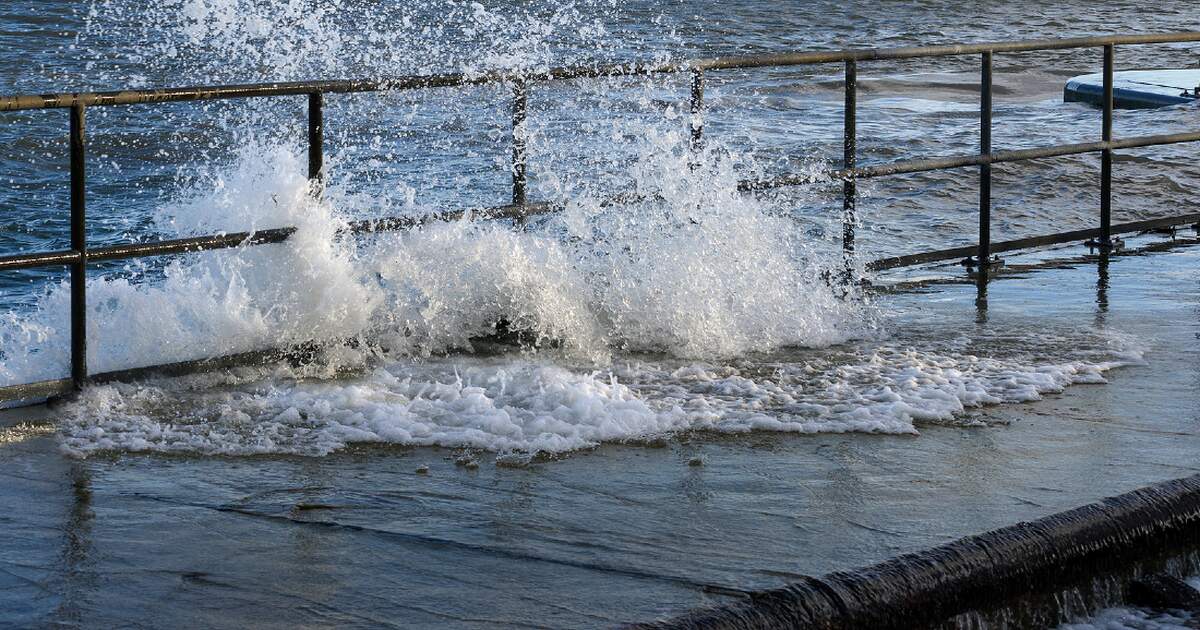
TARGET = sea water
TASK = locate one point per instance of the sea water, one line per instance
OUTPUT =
(693, 315)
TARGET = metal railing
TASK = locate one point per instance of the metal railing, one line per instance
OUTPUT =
(80, 254)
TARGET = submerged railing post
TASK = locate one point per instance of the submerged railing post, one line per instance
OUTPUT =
(79, 370)
(849, 185)
(316, 140)
(520, 111)
(985, 170)
(697, 110)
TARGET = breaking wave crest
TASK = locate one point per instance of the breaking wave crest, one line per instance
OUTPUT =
(690, 277)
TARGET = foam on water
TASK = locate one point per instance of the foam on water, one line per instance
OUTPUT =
(536, 404)
(1121, 618)
(1135, 619)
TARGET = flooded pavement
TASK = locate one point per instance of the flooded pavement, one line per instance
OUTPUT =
(376, 535)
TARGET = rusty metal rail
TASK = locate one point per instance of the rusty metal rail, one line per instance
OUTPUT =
(80, 254)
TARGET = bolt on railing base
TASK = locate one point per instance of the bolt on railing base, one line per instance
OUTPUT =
(973, 261)
(1111, 245)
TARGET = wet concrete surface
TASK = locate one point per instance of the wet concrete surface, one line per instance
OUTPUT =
(620, 533)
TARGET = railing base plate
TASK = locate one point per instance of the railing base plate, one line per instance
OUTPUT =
(1111, 245)
(972, 262)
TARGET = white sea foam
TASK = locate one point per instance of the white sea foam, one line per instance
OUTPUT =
(1122, 618)
(1134, 619)
(532, 405)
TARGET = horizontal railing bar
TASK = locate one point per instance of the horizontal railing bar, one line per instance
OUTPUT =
(156, 248)
(295, 88)
(219, 92)
(40, 259)
(206, 93)
(959, 161)
(395, 224)
(59, 387)
(260, 237)
(187, 245)
(1058, 238)
(949, 50)
(30, 393)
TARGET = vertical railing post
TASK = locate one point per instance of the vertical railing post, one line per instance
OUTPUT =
(316, 140)
(697, 111)
(1105, 241)
(985, 170)
(79, 370)
(1106, 155)
(849, 186)
(520, 111)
